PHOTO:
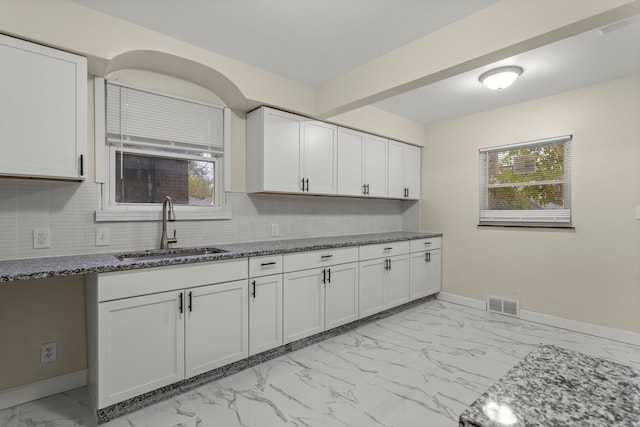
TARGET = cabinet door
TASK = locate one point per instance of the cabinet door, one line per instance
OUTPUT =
(371, 294)
(396, 172)
(43, 111)
(341, 294)
(418, 275)
(396, 289)
(217, 326)
(265, 313)
(319, 153)
(375, 166)
(411, 167)
(303, 304)
(350, 162)
(140, 345)
(282, 151)
(434, 272)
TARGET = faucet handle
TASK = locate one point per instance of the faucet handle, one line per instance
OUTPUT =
(173, 239)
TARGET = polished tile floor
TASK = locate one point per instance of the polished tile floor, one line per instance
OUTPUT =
(417, 368)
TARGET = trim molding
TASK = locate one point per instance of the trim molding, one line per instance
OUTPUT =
(32, 391)
(460, 300)
(627, 337)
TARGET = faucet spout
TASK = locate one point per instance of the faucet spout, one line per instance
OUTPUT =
(167, 215)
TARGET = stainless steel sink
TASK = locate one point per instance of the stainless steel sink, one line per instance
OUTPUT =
(168, 253)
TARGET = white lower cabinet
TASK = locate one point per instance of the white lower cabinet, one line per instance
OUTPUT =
(155, 340)
(216, 326)
(341, 295)
(265, 313)
(321, 298)
(426, 267)
(303, 304)
(371, 298)
(140, 340)
(384, 277)
(148, 328)
(141, 346)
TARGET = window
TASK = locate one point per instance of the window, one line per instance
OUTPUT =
(527, 184)
(158, 145)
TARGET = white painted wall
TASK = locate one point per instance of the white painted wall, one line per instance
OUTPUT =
(590, 274)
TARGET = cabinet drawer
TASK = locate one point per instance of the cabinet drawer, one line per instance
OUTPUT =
(419, 245)
(314, 259)
(124, 284)
(264, 265)
(384, 250)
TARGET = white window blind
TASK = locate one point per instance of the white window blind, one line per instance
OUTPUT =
(141, 117)
(528, 183)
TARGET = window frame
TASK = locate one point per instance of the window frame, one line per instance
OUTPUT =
(533, 218)
(105, 173)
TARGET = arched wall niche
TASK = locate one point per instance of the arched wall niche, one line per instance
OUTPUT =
(179, 68)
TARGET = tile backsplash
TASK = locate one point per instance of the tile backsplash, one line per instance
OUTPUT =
(68, 210)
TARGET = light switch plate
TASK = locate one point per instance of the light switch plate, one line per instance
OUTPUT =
(102, 236)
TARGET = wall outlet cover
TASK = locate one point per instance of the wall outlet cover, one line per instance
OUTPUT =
(41, 238)
(49, 352)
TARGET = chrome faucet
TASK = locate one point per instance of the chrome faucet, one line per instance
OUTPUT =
(167, 216)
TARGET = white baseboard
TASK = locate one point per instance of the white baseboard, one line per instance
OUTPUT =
(614, 334)
(28, 392)
(460, 300)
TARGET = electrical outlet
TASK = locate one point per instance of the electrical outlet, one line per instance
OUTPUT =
(41, 238)
(102, 236)
(274, 229)
(49, 352)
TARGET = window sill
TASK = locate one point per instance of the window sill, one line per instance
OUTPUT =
(530, 226)
(156, 215)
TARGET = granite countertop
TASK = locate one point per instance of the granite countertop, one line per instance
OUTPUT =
(553, 386)
(36, 268)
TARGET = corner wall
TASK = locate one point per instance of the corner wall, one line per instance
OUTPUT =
(589, 274)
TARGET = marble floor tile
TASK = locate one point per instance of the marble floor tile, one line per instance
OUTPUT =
(72, 408)
(420, 367)
(9, 417)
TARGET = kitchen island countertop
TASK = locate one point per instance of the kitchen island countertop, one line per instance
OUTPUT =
(36, 268)
(554, 386)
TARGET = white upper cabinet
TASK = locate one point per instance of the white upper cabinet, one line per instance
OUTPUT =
(43, 111)
(319, 157)
(404, 171)
(351, 162)
(362, 164)
(287, 153)
(375, 166)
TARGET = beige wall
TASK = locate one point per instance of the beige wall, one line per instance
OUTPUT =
(590, 274)
(35, 312)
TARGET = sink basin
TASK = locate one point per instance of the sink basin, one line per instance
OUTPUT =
(168, 253)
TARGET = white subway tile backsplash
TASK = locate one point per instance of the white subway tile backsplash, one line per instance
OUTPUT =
(68, 210)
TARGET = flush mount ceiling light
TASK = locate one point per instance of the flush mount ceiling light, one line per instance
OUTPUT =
(500, 78)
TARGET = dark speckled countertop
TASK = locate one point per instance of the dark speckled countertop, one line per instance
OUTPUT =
(36, 268)
(554, 386)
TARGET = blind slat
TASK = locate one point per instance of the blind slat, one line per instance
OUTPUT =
(134, 114)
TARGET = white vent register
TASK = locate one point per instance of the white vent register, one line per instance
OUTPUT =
(501, 305)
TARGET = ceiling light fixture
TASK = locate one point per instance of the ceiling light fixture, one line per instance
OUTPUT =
(500, 78)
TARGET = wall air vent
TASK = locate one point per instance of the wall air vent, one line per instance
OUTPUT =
(501, 305)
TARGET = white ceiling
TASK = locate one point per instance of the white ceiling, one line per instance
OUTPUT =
(315, 41)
